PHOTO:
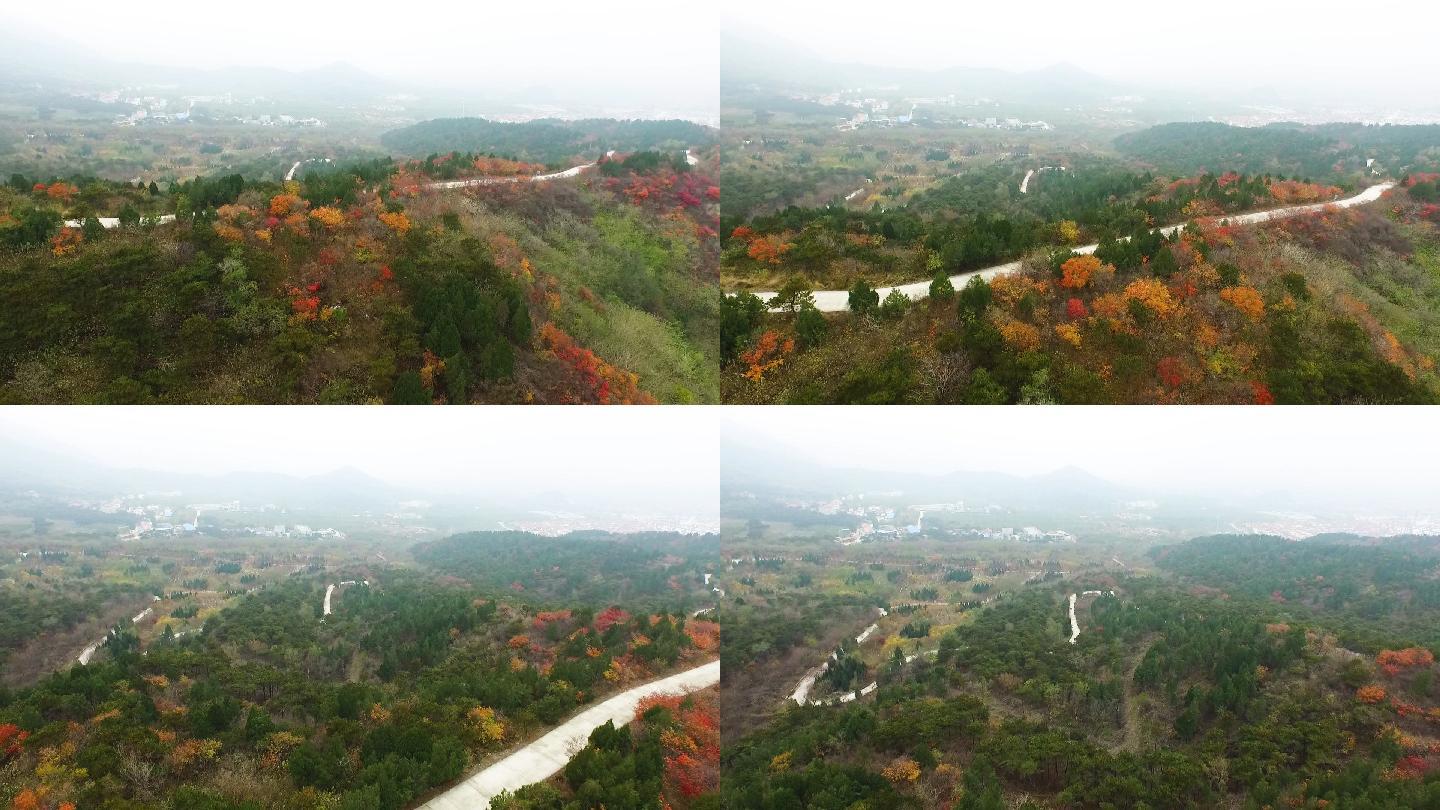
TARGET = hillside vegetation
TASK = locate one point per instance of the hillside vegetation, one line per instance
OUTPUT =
(1328, 151)
(1168, 699)
(365, 285)
(410, 682)
(550, 141)
(1335, 307)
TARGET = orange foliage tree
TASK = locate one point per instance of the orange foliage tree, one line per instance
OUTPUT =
(65, 242)
(768, 249)
(395, 221)
(703, 634)
(282, 205)
(767, 354)
(1075, 273)
(1245, 299)
(1370, 694)
(1391, 662)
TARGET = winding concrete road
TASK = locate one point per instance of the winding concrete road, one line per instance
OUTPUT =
(87, 654)
(801, 695)
(543, 758)
(573, 171)
(1074, 625)
(1030, 174)
(114, 222)
(839, 300)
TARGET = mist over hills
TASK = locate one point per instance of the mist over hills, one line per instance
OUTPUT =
(32, 467)
(39, 60)
(758, 57)
(66, 473)
(28, 55)
(785, 470)
(759, 61)
(751, 464)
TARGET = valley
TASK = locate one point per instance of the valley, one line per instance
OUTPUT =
(261, 639)
(903, 236)
(884, 644)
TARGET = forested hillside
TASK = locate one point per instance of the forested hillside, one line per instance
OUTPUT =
(557, 143)
(1335, 307)
(658, 569)
(671, 750)
(1167, 700)
(364, 284)
(1322, 152)
(400, 690)
(1375, 594)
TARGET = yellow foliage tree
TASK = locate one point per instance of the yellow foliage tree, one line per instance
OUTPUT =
(487, 726)
(1022, 336)
(1152, 293)
(278, 746)
(903, 769)
(331, 218)
(1070, 333)
(228, 232)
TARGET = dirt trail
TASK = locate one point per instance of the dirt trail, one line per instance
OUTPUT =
(1130, 734)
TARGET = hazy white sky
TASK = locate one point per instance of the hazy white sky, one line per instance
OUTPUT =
(521, 43)
(1313, 42)
(1223, 449)
(666, 451)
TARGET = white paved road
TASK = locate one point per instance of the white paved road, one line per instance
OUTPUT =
(1030, 174)
(114, 222)
(543, 758)
(801, 695)
(573, 171)
(1075, 625)
(839, 300)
